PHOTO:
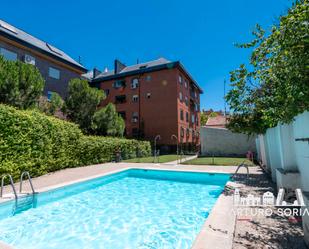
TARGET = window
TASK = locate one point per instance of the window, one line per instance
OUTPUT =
(134, 117)
(7, 54)
(134, 83)
(192, 118)
(135, 98)
(180, 96)
(180, 79)
(120, 99)
(148, 95)
(119, 83)
(197, 107)
(192, 94)
(49, 94)
(106, 91)
(122, 114)
(148, 78)
(135, 132)
(193, 133)
(181, 114)
(188, 132)
(182, 132)
(186, 83)
(186, 101)
(187, 117)
(54, 73)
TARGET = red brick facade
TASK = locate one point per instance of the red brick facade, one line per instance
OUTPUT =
(158, 109)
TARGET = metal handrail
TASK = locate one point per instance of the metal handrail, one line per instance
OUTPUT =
(157, 137)
(174, 136)
(12, 184)
(29, 179)
(243, 164)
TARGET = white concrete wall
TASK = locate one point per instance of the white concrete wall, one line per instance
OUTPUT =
(301, 130)
(288, 158)
(223, 142)
(278, 149)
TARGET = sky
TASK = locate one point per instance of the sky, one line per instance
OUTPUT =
(199, 33)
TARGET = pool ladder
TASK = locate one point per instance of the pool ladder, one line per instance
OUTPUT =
(22, 202)
(242, 165)
(25, 173)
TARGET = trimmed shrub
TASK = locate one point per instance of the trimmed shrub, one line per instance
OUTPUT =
(35, 142)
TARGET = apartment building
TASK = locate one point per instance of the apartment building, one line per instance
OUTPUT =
(155, 98)
(56, 67)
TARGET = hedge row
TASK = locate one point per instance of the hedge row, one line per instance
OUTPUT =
(32, 141)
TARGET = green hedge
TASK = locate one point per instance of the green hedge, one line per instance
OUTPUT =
(32, 141)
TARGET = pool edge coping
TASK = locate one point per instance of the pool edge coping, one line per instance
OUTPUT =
(218, 230)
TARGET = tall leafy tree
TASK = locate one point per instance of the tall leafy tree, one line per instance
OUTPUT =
(82, 102)
(21, 84)
(107, 122)
(276, 88)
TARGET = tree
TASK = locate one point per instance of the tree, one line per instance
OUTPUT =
(21, 85)
(82, 102)
(276, 89)
(56, 103)
(107, 121)
(51, 107)
(205, 116)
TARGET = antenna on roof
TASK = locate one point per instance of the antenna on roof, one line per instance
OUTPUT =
(79, 59)
(137, 61)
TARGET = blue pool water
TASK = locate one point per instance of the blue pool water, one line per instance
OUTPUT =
(135, 209)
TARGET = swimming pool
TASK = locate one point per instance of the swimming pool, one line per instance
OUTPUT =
(132, 209)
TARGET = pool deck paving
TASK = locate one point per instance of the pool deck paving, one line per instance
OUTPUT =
(216, 233)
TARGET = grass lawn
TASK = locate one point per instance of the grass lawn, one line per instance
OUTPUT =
(162, 159)
(226, 161)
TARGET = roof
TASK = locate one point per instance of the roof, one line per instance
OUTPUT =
(88, 75)
(218, 121)
(28, 40)
(149, 64)
(144, 67)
